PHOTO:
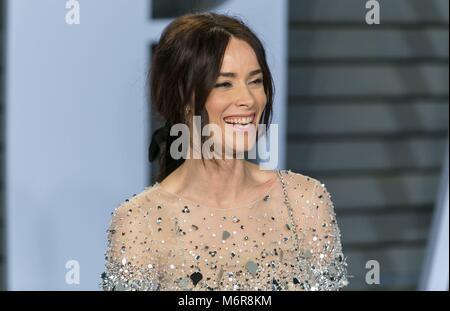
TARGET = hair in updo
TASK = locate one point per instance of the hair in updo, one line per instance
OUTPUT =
(187, 61)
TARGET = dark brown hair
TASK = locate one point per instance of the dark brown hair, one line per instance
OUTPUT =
(187, 61)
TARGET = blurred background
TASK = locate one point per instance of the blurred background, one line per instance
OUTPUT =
(363, 108)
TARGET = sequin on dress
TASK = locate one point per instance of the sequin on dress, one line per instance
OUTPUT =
(288, 239)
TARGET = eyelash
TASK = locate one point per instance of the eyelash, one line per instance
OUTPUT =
(257, 81)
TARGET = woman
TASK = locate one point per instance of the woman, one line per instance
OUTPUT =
(220, 223)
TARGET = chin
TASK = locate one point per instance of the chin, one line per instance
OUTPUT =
(241, 149)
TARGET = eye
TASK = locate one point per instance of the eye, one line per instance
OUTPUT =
(224, 84)
(257, 81)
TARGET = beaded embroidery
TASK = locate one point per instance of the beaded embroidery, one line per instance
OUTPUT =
(287, 240)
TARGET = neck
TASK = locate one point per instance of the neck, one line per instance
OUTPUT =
(224, 181)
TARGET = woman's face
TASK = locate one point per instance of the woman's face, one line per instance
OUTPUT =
(238, 99)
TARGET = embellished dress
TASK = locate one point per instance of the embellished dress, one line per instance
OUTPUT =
(287, 239)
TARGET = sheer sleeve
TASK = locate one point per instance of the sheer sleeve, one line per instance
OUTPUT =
(131, 255)
(327, 261)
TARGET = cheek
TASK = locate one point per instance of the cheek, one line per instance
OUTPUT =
(261, 100)
(215, 106)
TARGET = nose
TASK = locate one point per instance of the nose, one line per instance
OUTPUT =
(245, 97)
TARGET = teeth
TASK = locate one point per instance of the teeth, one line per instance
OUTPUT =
(241, 120)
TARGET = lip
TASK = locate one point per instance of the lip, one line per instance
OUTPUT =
(241, 116)
(241, 128)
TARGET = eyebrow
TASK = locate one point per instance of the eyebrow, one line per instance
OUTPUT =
(233, 75)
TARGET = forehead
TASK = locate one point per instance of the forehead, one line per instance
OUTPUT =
(239, 56)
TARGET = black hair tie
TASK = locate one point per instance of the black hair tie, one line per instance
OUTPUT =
(158, 138)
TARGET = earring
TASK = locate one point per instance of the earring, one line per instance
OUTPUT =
(187, 110)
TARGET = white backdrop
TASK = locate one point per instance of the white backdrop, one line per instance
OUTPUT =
(77, 126)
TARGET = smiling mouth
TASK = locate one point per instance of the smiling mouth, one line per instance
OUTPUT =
(241, 123)
(239, 120)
